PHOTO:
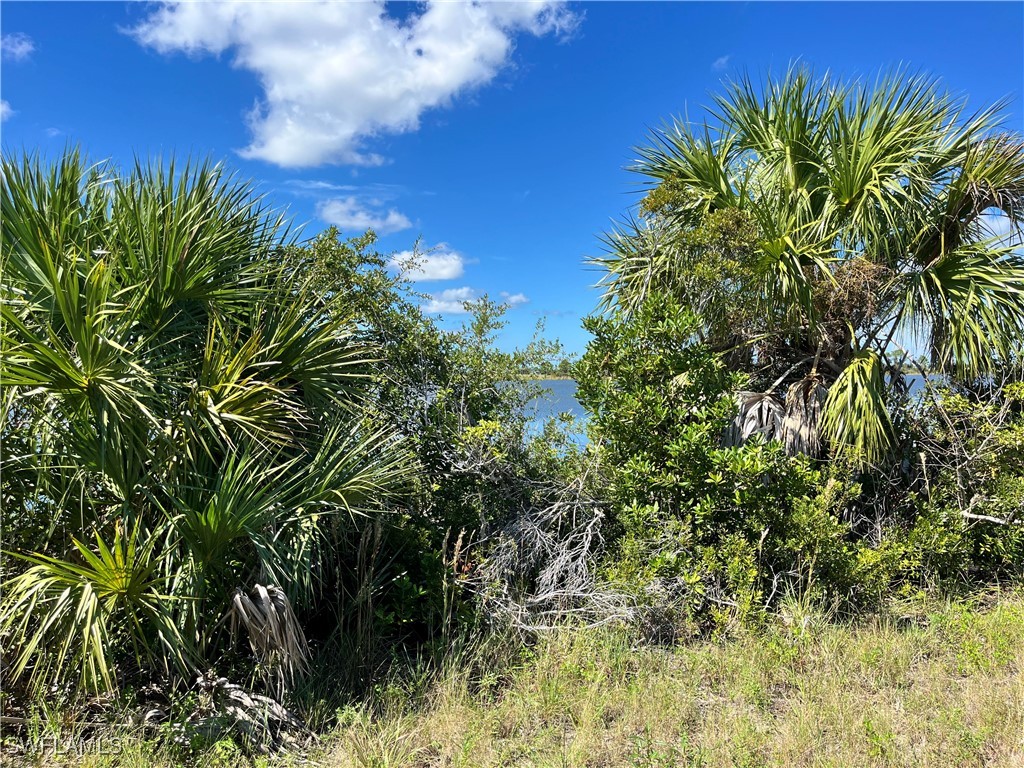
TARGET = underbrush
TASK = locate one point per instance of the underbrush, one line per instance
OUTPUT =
(922, 683)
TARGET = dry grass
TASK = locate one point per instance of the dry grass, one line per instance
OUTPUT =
(940, 686)
(943, 690)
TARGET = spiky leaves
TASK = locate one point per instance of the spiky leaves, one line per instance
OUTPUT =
(868, 206)
(69, 619)
(966, 307)
(856, 417)
(165, 371)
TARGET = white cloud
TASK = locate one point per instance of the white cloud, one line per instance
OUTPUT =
(5, 110)
(720, 63)
(335, 74)
(353, 216)
(16, 46)
(450, 301)
(437, 263)
(316, 185)
(514, 299)
(320, 187)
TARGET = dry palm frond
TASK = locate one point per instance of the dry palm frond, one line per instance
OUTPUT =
(541, 566)
(805, 401)
(228, 709)
(760, 413)
(274, 632)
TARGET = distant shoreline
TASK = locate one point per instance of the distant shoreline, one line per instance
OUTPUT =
(539, 377)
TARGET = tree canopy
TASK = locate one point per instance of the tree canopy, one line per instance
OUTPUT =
(826, 232)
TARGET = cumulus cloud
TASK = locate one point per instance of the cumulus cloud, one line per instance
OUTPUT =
(335, 74)
(16, 46)
(514, 299)
(5, 110)
(353, 216)
(720, 63)
(437, 263)
(450, 301)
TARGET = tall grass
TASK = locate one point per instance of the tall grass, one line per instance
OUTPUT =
(939, 686)
(923, 685)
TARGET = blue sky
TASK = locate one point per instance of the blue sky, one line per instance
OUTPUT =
(499, 134)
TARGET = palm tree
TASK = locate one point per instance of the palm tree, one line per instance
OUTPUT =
(826, 232)
(182, 418)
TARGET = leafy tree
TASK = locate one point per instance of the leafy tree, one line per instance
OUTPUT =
(461, 406)
(716, 533)
(824, 231)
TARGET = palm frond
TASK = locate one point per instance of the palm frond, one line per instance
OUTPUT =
(856, 418)
(638, 262)
(274, 633)
(702, 164)
(758, 413)
(71, 619)
(802, 425)
(968, 305)
(195, 237)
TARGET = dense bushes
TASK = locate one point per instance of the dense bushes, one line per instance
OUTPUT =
(212, 433)
(969, 488)
(714, 533)
(458, 402)
(195, 406)
(185, 417)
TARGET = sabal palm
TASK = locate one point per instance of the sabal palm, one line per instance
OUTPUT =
(830, 227)
(166, 379)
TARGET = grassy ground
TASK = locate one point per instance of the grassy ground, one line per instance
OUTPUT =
(939, 686)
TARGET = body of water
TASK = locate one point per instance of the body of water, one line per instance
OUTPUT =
(559, 397)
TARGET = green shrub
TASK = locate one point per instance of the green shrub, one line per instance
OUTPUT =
(726, 531)
(959, 522)
(185, 415)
